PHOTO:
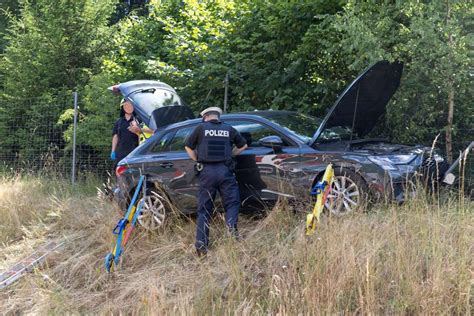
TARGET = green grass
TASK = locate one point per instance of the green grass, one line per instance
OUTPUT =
(416, 258)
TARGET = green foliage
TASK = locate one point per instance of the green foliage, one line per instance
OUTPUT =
(53, 45)
(192, 45)
(417, 35)
(172, 44)
(7, 9)
(53, 48)
(265, 67)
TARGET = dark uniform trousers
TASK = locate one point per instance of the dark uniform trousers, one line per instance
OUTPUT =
(216, 177)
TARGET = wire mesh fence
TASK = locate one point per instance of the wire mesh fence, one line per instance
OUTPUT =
(37, 136)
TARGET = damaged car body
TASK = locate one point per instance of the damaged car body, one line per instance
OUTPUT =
(288, 152)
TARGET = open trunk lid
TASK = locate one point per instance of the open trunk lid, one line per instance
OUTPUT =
(156, 103)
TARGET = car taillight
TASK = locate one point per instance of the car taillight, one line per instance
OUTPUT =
(120, 170)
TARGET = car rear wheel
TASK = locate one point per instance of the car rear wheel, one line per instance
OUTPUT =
(348, 193)
(154, 212)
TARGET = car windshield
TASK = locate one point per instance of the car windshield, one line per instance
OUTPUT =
(301, 125)
(336, 133)
(304, 126)
(152, 98)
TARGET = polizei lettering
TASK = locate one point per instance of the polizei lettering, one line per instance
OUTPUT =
(218, 133)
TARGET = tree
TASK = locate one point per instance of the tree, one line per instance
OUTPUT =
(430, 38)
(174, 43)
(261, 54)
(192, 45)
(7, 8)
(279, 54)
(53, 48)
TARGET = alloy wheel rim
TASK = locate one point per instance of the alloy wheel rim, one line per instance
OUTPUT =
(153, 212)
(344, 197)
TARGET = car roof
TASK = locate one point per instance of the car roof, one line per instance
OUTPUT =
(267, 114)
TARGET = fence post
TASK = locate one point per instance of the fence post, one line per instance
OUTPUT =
(226, 90)
(73, 172)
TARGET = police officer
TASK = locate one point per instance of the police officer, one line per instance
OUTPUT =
(124, 139)
(211, 146)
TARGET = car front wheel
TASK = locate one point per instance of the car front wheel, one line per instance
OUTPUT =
(348, 192)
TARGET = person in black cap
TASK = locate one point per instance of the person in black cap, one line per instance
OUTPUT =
(124, 139)
(211, 146)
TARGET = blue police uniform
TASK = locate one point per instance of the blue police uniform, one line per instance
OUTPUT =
(213, 142)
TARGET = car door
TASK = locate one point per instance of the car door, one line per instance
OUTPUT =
(263, 172)
(171, 167)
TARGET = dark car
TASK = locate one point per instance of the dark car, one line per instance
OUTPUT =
(287, 153)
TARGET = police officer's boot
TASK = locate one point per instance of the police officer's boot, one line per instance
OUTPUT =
(234, 233)
(201, 253)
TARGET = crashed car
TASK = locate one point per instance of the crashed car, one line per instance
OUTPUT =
(287, 153)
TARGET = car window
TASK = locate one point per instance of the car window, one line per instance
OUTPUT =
(154, 98)
(179, 139)
(254, 131)
(162, 143)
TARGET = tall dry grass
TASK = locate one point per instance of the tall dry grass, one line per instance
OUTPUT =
(414, 259)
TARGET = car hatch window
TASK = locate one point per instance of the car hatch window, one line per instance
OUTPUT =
(153, 98)
(162, 143)
(254, 131)
(179, 139)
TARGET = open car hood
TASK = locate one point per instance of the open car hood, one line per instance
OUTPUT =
(156, 103)
(364, 100)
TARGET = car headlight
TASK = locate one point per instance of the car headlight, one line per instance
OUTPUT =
(389, 162)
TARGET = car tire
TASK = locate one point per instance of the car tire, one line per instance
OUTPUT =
(155, 211)
(348, 193)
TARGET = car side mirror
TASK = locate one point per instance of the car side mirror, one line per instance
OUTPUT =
(272, 141)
